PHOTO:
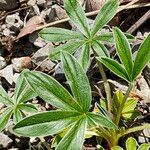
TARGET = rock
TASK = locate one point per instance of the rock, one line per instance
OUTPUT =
(59, 74)
(49, 4)
(36, 10)
(7, 73)
(6, 32)
(34, 140)
(21, 63)
(3, 26)
(15, 77)
(36, 40)
(5, 141)
(41, 2)
(39, 58)
(8, 4)
(60, 13)
(31, 2)
(2, 62)
(139, 34)
(92, 5)
(47, 15)
(13, 23)
(144, 139)
(29, 49)
(13, 19)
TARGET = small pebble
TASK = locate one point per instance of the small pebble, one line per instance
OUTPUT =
(2, 62)
(15, 77)
(31, 2)
(46, 14)
(36, 10)
(21, 63)
(41, 2)
(60, 13)
(5, 141)
(7, 73)
(33, 140)
(13, 20)
(40, 58)
(36, 40)
(6, 32)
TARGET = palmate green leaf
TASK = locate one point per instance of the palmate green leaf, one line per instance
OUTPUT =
(74, 139)
(142, 57)
(78, 81)
(106, 13)
(70, 47)
(115, 67)
(116, 148)
(23, 91)
(129, 36)
(4, 98)
(17, 116)
(46, 123)
(51, 91)
(108, 37)
(4, 118)
(131, 144)
(145, 146)
(100, 49)
(54, 34)
(27, 108)
(77, 15)
(84, 59)
(117, 100)
(101, 109)
(95, 119)
(123, 50)
(129, 108)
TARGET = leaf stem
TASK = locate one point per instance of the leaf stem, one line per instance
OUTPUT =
(137, 128)
(123, 102)
(111, 137)
(45, 143)
(106, 87)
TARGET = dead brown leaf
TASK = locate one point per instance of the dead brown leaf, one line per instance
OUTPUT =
(31, 26)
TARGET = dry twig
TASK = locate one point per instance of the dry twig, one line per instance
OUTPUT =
(130, 5)
(134, 27)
